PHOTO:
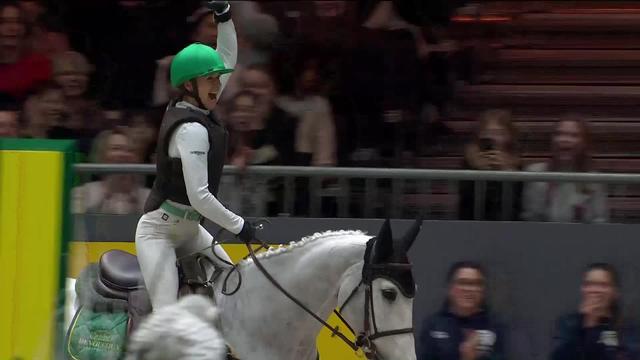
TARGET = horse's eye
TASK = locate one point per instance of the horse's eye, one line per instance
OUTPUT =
(390, 294)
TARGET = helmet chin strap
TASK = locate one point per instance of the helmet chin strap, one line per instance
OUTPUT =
(194, 94)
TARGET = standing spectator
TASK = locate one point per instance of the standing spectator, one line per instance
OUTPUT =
(598, 330)
(116, 193)
(566, 202)
(494, 147)
(315, 133)
(20, 70)
(43, 111)
(465, 328)
(8, 123)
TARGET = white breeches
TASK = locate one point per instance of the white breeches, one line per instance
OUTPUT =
(160, 239)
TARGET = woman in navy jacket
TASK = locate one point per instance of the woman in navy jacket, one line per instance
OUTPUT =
(596, 330)
(464, 329)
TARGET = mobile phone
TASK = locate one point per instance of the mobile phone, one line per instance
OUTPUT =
(485, 144)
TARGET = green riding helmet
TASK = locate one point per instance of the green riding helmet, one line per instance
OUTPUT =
(194, 61)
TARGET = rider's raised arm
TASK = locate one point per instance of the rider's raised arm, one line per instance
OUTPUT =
(227, 42)
(192, 143)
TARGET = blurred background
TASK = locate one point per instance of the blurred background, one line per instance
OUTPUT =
(460, 110)
(478, 85)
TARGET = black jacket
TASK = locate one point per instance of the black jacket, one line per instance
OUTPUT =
(442, 334)
(604, 342)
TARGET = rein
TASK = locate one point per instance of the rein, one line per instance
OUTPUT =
(365, 339)
(334, 331)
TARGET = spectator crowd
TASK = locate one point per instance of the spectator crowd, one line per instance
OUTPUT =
(467, 327)
(318, 83)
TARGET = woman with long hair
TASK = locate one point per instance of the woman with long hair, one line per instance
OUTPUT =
(597, 330)
(494, 147)
(566, 202)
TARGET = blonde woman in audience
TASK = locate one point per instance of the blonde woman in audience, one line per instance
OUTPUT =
(566, 202)
(117, 194)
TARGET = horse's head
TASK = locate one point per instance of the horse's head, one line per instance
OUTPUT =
(376, 296)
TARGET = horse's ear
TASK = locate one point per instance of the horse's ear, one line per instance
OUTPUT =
(385, 230)
(411, 235)
(384, 243)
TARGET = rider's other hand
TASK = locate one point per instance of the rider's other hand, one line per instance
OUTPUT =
(248, 232)
(221, 10)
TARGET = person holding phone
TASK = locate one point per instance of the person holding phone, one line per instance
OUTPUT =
(494, 147)
(597, 330)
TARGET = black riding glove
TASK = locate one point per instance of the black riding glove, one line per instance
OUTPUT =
(248, 232)
(221, 10)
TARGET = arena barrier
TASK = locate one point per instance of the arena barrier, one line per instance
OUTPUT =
(527, 261)
(534, 268)
(395, 193)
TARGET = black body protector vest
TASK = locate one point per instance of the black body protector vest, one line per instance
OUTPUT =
(169, 183)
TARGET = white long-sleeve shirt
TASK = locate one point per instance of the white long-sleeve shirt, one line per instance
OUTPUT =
(190, 143)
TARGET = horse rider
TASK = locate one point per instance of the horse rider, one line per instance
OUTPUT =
(192, 146)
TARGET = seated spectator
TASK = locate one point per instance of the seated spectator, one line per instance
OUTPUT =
(566, 202)
(44, 111)
(244, 194)
(257, 36)
(465, 328)
(316, 132)
(203, 29)
(184, 331)
(8, 123)
(598, 330)
(117, 194)
(143, 133)
(272, 124)
(20, 70)
(494, 147)
(49, 36)
(72, 71)
(257, 141)
(46, 34)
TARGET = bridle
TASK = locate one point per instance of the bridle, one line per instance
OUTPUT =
(364, 339)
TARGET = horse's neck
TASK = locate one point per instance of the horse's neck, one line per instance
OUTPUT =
(311, 271)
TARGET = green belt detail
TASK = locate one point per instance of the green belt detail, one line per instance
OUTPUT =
(181, 213)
